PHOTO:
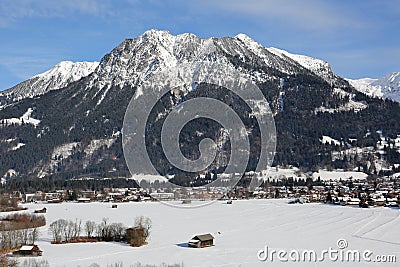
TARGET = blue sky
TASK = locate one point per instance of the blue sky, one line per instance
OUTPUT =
(358, 38)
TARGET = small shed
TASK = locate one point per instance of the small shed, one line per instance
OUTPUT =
(44, 210)
(32, 250)
(201, 241)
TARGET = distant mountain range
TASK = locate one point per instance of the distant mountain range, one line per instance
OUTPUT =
(387, 87)
(67, 122)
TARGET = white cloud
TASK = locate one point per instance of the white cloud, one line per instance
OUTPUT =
(307, 14)
(11, 10)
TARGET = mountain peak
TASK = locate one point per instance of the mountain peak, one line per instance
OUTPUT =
(386, 87)
(59, 76)
(244, 37)
(154, 33)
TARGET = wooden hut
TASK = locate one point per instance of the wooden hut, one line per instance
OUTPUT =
(41, 211)
(29, 251)
(201, 241)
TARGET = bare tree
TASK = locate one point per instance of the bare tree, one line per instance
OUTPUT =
(57, 229)
(90, 227)
(144, 222)
(117, 231)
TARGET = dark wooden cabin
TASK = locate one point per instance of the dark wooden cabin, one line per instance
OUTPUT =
(28, 251)
(201, 241)
(44, 210)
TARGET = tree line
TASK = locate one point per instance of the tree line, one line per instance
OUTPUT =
(69, 231)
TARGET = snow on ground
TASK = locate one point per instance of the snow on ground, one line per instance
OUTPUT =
(61, 152)
(18, 146)
(337, 175)
(279, 173)
(364, 85)
(25, 118)
(351, 105)
(95, 145)
(240, 229)
(149, 178)
(328, 140)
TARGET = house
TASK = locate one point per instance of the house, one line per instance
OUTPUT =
(32, 251)
(83, 200)
(353, 202)
(201, 241)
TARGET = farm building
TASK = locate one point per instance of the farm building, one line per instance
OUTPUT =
(201, 241)
(32, 250)
(41, 211)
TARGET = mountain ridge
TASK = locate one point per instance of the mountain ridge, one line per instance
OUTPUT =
(386, 87)
(77, 129)
(59, 76)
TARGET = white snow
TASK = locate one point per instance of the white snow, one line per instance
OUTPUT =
(149, 178)
(18, 146)
(386, 87)
(351, 105)
(280, 173)
(94, 145)
(25, 118)
(328, 140)
(9, 173)
(337, 175)
(57, 77)
(67, 72)
(315, 65)
(240, 231)
(59, 153)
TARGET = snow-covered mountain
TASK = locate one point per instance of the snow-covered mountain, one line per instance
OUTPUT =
(134, 60)
(57, 77)
(317, 66)
(386, 87)
(73, 131)
(154, 51)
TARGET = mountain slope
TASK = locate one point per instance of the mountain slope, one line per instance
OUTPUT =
(317, 66)
(77, 129)
(57, 77)
(386, 87)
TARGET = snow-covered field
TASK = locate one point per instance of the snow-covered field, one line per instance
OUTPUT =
(240, 230)
(337, 175)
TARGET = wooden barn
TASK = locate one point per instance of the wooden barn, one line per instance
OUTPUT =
(201, 241)
(29, 251)
(44, 210)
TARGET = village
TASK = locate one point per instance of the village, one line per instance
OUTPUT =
(348, 191)
(381, 193)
